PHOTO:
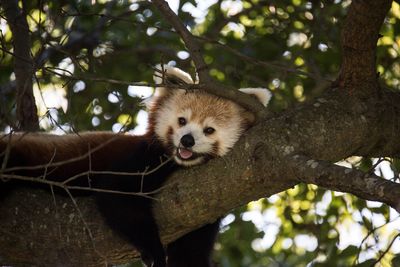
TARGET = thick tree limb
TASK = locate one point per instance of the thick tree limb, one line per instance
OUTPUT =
(329, 129)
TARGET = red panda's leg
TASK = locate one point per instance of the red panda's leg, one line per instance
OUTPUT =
(132, 218)
(193, 249)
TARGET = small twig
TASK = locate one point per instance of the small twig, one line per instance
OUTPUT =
(72, 178)
(49, 163)
(142, 180)
(263, 63)
(56, 211)
(71, 76)
(188, 39)
(373, 167)
(385, 251)
(370, 232)
(81, 188)
(59, 163)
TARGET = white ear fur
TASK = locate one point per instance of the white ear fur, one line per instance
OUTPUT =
(164, 71)
(262, 94)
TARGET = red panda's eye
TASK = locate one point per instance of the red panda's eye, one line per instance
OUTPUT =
(208, 130)
(182, 121)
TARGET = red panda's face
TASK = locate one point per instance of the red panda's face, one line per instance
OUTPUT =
(193, 125)
(196, 126)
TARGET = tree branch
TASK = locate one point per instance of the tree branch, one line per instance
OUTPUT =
(337, 178)
(77, 40)
(206, 82)
(359, 36)
(189, 40)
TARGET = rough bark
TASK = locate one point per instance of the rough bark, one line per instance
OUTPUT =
(298, 145)
(359, 37)
(39, 230)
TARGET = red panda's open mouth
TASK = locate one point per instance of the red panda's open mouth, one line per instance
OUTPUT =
(187, 157)
(185, 153)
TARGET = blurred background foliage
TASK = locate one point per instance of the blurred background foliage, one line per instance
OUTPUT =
(90, 56)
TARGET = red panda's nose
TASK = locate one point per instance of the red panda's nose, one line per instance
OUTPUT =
(187, 140)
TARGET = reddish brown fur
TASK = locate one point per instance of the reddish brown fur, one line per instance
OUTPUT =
(204, 106)
(93, 148)
(215, 149)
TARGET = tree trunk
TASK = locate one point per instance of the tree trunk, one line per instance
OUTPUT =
(23, 67)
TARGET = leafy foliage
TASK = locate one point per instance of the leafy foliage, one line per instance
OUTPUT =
(88, 52)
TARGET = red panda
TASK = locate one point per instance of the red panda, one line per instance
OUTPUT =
(188, 126)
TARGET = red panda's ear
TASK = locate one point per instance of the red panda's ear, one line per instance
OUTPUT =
(166, 75)
(262, 94)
